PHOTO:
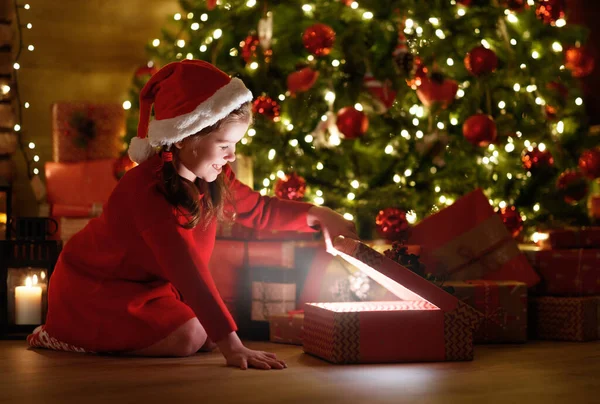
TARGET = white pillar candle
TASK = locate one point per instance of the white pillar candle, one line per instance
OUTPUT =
(28, 303)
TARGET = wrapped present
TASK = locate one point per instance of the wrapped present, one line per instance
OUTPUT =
(503, 305)
(83, 131)
(265, 291)
(287, 328)
(79, 189)
(425, 324)
(579, 237)
(574, 272)
(467, 240)
(68, 227)
(565, 318)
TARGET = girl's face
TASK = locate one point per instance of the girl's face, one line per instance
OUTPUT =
(204, 156)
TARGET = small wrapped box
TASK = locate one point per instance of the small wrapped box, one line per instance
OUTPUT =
(566, 272)
(565, 318)
(84, 131)
(503, 305)
(574, 237)
(468, 240)
(426, 324)
(287, 328)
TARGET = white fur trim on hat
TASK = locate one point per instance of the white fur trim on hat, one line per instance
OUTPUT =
(140, 150)
(224, 101)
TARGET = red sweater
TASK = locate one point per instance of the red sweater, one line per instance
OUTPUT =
(118, 283)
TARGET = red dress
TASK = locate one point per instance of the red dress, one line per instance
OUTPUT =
(120, 284)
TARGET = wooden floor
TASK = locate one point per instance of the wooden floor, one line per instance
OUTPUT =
(538, 372)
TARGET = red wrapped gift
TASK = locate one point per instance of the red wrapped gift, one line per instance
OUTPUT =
(565, 318)
(74, 189)
(580, 237)
(84, 131)
(503, 305)
(467, 240)
(427, 324)
(566, 272)
(287, 328)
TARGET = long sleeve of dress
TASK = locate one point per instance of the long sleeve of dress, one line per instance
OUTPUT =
(264, 212)
(176, 252)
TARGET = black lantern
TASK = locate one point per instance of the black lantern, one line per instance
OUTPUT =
(5, 208)
(26, 266)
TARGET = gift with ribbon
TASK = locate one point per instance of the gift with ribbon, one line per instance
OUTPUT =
(574, 237)
(573, 272)
(467, 240)
(287, 328)
(86, 131)
(503, 305)
(565, 318)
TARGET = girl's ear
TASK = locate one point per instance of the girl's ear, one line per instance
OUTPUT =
(178, 145)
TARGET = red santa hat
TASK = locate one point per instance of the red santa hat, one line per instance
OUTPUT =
(188, 96)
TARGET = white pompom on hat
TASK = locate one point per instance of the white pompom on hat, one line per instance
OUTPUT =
(188, 96)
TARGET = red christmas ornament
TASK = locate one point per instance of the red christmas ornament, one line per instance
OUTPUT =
(347, 2)
(550, 10)
(536, 159)
(420, 72)
(292, 187)
(572, 185)
(249, 48)
(122, 165)
(589, 163)
(514, 5)
(512, 220)
(382, 92)
(352, 122)
(481, 60)
(392, 225)
(319, 39)
(579, 61)
(146, 70)
(551, 112)
(211, 4)
(266, 106)
(480, 130)
(436, 89)
(465, 3)
(302, 80)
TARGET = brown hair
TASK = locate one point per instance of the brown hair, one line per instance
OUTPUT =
(184, 195)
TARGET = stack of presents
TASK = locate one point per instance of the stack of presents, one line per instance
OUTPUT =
(369, 303)
(87, 150)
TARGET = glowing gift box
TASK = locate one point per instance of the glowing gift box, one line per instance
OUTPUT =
(425, 324)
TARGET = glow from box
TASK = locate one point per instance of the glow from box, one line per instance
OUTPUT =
(352, 307)
(397, 289)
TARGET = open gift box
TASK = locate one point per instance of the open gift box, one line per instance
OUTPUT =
(425, 324)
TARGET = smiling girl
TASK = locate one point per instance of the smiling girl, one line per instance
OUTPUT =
(135, 280)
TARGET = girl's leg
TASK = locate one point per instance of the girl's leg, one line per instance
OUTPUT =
(184, 341)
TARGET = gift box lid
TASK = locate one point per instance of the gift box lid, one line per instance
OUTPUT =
(399, 280)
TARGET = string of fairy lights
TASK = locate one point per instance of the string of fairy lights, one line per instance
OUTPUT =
(31, 158)
(494, 154)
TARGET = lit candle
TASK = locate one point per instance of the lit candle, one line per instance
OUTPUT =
(28, 303)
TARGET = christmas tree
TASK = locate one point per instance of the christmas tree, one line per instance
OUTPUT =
(405, 104)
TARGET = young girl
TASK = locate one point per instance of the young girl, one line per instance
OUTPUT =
(135, 280)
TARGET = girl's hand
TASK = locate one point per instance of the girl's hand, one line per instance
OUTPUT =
(332, 224)
(236, 354)
(245, 358)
